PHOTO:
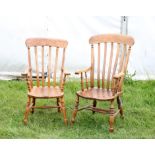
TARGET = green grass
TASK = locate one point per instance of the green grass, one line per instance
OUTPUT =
(138, 103)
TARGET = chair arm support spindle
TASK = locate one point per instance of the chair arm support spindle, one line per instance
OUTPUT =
(64, 79)
(118, 79)
(81, 72)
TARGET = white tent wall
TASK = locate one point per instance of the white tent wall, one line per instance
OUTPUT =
(142, 58)
(77, 30)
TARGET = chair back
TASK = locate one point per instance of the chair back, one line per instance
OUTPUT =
(46, 58)
(111, 54)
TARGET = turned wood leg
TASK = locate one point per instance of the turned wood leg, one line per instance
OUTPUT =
(58, 105)
(119, 102)
(34, 102)
(63, 109)
(111, 118)
(75, 109)
(94, 105)
(27, 110)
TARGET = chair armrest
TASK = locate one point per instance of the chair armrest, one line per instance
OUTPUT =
(67, 73)
(118, 80)
(26, 75)
(26, 72)
(119, 75)
(83, 70)
(82, 78)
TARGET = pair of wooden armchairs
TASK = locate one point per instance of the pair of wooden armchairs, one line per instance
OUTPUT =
(112, 52)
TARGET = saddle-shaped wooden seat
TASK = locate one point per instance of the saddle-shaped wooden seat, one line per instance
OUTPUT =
(96, 93)
(46, 92)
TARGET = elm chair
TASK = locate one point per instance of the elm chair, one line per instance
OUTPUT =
(112, 53)
(43, 54)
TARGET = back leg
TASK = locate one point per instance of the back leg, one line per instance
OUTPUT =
(119, 102)
(58, 104)
(34, 103)
(94, 105)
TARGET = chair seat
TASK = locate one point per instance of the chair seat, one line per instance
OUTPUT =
(96, 93)
(46, 92)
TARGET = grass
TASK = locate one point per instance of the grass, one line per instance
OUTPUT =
(139, 111)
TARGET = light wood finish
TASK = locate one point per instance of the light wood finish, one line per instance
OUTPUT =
(92, 67)
(112, 38)
(31, 42)
(45, 48)
(46, 92)
(98, 67)
(115, 49)
(49, 66)
(104, 64)
(96, 93)
(56, 64)
(43, 77)
(110, 63)
(37, 71)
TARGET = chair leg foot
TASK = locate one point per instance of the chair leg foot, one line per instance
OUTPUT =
(73, 117)
(111, 118)
(111, 129)
(66, 122)
(25, 121)
(75, 110)
(111, 123)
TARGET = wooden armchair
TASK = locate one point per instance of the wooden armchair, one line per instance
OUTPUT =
(49, 50)
(113, 51)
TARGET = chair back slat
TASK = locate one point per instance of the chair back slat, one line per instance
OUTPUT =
(87, 86)
(43, 77)
(37, 70)
(98, 67)
(104, 64)
(122, 58)
(110, 64)
(127, 59)
(92, 67)
(116, 59)
(55, 67)
(30, 67)
(112, 50)
(116, 62)
(41, 60)
(62, 68)
(49, 66)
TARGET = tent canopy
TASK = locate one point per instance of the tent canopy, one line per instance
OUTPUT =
(77, 30)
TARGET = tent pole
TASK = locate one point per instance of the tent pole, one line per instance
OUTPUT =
(124, 25)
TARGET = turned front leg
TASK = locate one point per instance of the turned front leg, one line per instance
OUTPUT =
(111, 118)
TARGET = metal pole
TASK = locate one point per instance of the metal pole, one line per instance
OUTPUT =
(124, 25)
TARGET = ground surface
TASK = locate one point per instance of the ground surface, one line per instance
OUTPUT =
(139, 111)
